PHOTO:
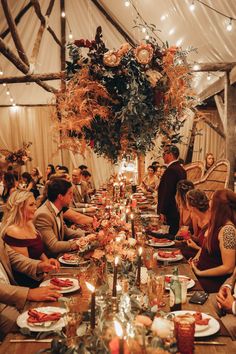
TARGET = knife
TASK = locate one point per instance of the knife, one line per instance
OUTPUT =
(208, 343)
(47, 340)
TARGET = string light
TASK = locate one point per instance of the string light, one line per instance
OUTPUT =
(192, 6)
(229, 26)
(147, 36)
(127, 3)
(63, 14)
(11, 99)
(4, 84)
(208, 76)
(8, 92)
(70, 35)
(144, 29)
(1, 72)
(196, 67)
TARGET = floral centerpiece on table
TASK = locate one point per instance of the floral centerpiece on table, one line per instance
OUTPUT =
(18, 157)
(118, 101)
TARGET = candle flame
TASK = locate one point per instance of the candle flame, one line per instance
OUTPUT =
(127, 210)
(132, 216)
(140, 251)
(90, 287)
(118, 329)
(116, 260)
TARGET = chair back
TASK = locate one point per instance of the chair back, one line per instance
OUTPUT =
(217, 177)
(194, 170)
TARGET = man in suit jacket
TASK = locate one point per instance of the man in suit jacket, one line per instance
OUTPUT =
(166, 206)
(48, 219)
(14, 297)
(225, 303)
(80, 189)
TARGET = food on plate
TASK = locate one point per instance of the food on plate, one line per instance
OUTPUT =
(37, 317)
(62, 283)
(199, 320)
(70, 257)
(181, 278)
(159, 240)
(169, 254)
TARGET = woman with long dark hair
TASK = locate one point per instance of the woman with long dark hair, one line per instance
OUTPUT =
(217, 257)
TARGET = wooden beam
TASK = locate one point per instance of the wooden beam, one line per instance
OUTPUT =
(17, 19)
(212, 67)
(230, 114)
(232, 75)
(111, 19)
(39, 37)
(216, 129)
(14, 32)
(213, 89)
(42, 19)
(221, 109)
(63, 42)
(6, 51)
(32, 78)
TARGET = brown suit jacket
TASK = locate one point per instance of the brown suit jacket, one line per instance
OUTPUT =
(53, 238)
(82, 197)
(12, 294)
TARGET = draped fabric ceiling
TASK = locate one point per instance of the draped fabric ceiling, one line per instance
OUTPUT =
(201, 29)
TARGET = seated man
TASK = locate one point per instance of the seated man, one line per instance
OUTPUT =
(14, 297)
(226, 303)
(80, 190)
(49, 219)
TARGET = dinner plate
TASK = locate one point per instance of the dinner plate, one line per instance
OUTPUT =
(190, 284)
(64, 290)
(178, 257)
(55, 326)
(160, 244)
(207, 330)
(75, 262)
(147, 216)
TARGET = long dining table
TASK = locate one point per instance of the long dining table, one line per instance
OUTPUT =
(81, 300)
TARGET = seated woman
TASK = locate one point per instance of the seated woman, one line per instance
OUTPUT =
(209, 161)
(19, 233)
(9, 185)
(150, 182)
(198, 206)
(30, 184)
(217, 256)
(36, 175)
(183, 187)
(49, 171)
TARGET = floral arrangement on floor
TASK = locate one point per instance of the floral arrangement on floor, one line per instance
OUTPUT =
(118, 101)
(18, 157)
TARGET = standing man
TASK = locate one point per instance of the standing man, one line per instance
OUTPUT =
(56, 236)
(166, 206)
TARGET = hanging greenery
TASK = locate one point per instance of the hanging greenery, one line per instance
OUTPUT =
(118, 101)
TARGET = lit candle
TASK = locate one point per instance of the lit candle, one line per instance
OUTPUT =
(132, 225)
(119, 333)
(127, 215)
(93, 304)
(114, 288)
(138, 281)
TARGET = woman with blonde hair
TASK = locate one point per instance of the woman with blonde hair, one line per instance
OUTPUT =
(217, 257)
(19, 233)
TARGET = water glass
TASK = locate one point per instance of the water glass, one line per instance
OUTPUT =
(184, 328)
(155, 290)
(184, 289)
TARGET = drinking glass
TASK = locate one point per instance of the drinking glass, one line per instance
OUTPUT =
(184, 328)
(155, 290)
(148, 259)
(73, 320)
(184, 287)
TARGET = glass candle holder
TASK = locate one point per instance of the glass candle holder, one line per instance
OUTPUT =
(184, 329)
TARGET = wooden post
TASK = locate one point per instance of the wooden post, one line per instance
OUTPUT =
(63, 43)
(230, 119)
(141, 167)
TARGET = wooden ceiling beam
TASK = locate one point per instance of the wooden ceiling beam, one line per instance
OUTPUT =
(198, 67)
(14, 32)
(114, 22)
(18, 63)
(32, 78)
(17, 19)
(63, 42)
(42, 19)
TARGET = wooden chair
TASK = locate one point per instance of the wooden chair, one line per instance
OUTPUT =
(194, 170)
(217, 177)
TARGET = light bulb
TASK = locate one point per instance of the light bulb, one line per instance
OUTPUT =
(70, 36)
(127, 3)
(192, 6)
(147, 37)
(196, 67)
(8, 93)
(4, 84)
(208, 77)
(63, 14)
(11, 99)
(144, 29)
(229, 26)
(1, 72)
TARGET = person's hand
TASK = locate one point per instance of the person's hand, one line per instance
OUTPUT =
(54, 262)
(194, 267)
(192, 244)
(91, 210)
(45, 267)
(225, 303)
(223, 293)
(45, 293)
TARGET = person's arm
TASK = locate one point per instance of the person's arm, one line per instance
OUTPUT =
(227, 241)
(76, 217)
(21, 250)
(30, 186)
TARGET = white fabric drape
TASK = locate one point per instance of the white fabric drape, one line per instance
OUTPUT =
(24, 124)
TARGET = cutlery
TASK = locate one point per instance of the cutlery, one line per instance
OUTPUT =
(208, 343)
(47, 340)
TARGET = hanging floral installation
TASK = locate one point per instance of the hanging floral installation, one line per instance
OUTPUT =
(18, 157)
(118, 101)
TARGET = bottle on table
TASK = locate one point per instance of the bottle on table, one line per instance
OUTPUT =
(175, 292)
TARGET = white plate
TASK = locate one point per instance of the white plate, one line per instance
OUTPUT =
(55, 326)
(159, 244)
(175, 259)
(64, 290)
(212, 328)
(190, 284)
(147, 216)
(72, 262)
